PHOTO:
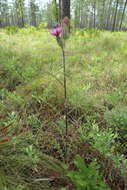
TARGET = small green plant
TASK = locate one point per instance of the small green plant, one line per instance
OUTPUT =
(28, 30)
(20, 187)
(57, 146)
(32, 156)
(42, 25)
(102, 140)
(12, 29)
(113, 98)
(33, 121)
(87, 177)
(3, 93)
(117, 118)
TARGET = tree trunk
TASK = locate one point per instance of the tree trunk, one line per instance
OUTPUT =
(76, 17)
(125, 5)
(56, 11)
(103, 15)
(94, 14)
(32, 13)
(59, 10)
(114, 22)
(65, 9)
(109, 14)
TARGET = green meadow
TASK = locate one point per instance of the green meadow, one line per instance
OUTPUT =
(32, 110)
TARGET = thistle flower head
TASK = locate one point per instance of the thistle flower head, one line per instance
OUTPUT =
(66, 20)
(57, 31)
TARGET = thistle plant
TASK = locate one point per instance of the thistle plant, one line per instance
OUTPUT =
(61, 33)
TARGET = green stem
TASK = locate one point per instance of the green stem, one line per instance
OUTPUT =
(65, 104)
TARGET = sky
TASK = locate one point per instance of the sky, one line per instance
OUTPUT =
(41, 2)
(44, 1)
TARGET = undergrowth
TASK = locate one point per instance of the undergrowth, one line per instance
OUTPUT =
(32, 110)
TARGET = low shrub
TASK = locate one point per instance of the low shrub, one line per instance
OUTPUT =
(117, 118)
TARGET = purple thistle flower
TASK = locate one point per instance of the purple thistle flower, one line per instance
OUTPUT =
(57, 31)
